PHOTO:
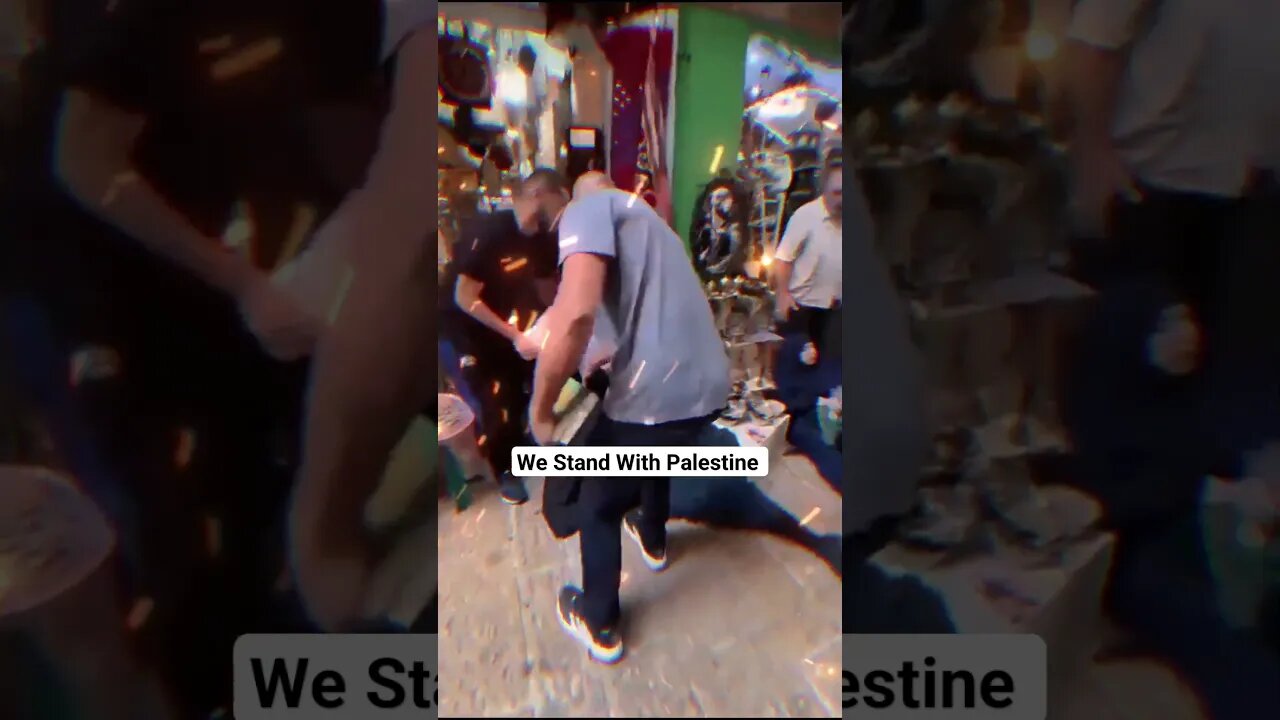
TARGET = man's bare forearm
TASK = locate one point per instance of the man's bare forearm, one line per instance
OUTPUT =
(94, 164)
(1093, 85)
(557, 362)
(369, 379)
(481, 312)
(372, 371)
(382, 336)
(400, 176)
(468, 300)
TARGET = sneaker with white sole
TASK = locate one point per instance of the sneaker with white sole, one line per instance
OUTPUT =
(654, 557)
(512, 489)
(603, 646)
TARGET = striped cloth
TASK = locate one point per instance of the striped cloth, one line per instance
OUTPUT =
(654, 125)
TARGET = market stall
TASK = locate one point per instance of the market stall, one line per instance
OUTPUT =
(519, 93)
(965, 171)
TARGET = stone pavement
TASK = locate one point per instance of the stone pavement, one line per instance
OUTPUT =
(740, 625)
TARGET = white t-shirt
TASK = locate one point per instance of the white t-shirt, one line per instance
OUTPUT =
(812, 244)
(1197, 103)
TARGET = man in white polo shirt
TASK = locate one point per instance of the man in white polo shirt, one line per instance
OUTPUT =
(807, 262)
(1175, 112)
(1175, 107)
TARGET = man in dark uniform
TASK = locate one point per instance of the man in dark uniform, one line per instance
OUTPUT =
(145, 124)
(504, 272)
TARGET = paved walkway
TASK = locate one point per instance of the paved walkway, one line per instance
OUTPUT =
(741, 624)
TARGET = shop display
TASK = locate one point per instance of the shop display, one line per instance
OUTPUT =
(719, 233)
(947, 518)
(792, 120)
(966, 178)
(464, 70)
(743, 312)
(505, 94)
(772, 173)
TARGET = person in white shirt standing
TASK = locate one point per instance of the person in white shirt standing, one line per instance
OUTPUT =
(1173, 155)
(1174, 182)
(808, 278)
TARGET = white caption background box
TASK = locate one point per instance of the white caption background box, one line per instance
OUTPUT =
(873, 688)
(336, 677)
(624, 461)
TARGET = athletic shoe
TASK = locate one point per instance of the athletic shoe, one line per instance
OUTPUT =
(512, 489)
(603, 646)
(655, 558)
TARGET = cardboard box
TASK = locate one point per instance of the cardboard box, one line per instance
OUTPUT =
(1068, 599)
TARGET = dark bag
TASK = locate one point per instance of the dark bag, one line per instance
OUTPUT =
(560, 494)
(560, 505)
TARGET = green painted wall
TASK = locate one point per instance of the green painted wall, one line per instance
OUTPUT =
(711, 65)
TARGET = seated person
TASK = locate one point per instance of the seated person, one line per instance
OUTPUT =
(803, 378)
(1134, 408)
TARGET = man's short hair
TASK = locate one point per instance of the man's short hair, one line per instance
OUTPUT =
(544, 178)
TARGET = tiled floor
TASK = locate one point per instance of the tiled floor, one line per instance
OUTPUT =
(741, 624)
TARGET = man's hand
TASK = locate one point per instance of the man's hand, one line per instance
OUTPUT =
(784, 305)
(599, 363)
(1100, 178)
(809, 354)
(282, 327)
(527, 344)
(541, 427)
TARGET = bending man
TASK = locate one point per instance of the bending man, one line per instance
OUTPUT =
(670, 378)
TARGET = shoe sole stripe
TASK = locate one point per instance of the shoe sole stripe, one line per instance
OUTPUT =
(655, 564)
(579, 632)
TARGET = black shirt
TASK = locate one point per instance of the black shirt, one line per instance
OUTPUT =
(492, 250)
(219, 129)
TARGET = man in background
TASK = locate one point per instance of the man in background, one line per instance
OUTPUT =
(1174, 158)
(503, 274)
(807, 263)
(669, 380)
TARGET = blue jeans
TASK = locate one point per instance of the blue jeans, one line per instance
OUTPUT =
(799, 387)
